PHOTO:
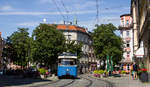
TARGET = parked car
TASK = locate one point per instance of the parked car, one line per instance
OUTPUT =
(30, 72)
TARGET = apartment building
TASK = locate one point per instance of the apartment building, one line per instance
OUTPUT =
(140, 10)
(127, 36)
(1, 49)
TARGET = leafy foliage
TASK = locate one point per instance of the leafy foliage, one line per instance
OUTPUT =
(42, 71)
(48, 44)
(43, 47)
(74, 47)
(19, 43)
(8, 50)
(106, 42)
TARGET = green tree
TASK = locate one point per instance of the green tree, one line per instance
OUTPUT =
(9, 51)
(106, 42)
(47, 45)
(19, 44)
(74, 47)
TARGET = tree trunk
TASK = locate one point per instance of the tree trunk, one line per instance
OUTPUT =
(104, 64)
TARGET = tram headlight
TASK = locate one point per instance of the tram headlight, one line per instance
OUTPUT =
(67, 69)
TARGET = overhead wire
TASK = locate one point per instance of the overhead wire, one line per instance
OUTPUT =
(97, 11)
(68, 11)
(58, 9)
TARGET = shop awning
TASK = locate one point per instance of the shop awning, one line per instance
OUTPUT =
(140, 52)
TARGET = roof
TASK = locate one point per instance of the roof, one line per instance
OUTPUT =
(70, 27)
(125, 15)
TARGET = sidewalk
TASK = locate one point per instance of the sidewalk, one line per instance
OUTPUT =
(125, 81)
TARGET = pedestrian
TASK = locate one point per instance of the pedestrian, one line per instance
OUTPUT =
(81, 69)
(135, 69)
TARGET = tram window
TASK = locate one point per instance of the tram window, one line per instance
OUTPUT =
(68, 62)
(65, 63)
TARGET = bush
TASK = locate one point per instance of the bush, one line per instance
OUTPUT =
(99, 72)
(123, 72)
(42, 71)
(95, 71)
(106, 72)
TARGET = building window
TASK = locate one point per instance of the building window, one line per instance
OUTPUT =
(122, 23)
(127, 22)
(128, 54)
(128, 45)
(127, 33)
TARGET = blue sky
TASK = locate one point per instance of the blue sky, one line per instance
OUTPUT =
(29, 13)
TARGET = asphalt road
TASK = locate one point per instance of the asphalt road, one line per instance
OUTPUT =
(84, 80)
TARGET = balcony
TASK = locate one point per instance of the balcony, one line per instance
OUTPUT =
(128, 60)
(127, 39)
(125, 26)
(128, 49)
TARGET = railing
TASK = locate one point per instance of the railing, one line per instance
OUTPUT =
(128, 49)
(126, 26)
(127, 39)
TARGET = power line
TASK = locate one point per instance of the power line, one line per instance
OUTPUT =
(58, 9)
(97, 11)
(67, 11)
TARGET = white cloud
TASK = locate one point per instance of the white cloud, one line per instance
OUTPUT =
(45, 13)
(44, 1)
(85, 5)
(6, 8)
(90, 24)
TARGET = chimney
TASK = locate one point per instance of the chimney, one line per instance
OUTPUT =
(75, 21)
(70, 23)
(64, 22)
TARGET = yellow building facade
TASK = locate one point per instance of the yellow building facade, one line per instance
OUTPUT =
(140, 10)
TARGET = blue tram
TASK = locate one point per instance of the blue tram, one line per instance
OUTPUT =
(67, 65)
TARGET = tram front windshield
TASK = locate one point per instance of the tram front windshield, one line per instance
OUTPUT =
(67, 61)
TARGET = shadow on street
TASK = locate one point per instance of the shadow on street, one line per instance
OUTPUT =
(16, 80)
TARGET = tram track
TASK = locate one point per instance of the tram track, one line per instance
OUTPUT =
(110, 84)
(47, 83)
(76, 82)
(90, 81)
(84, 80)
(65, 85)
(60, 81)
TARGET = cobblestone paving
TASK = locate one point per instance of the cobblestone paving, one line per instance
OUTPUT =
(125, 81)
